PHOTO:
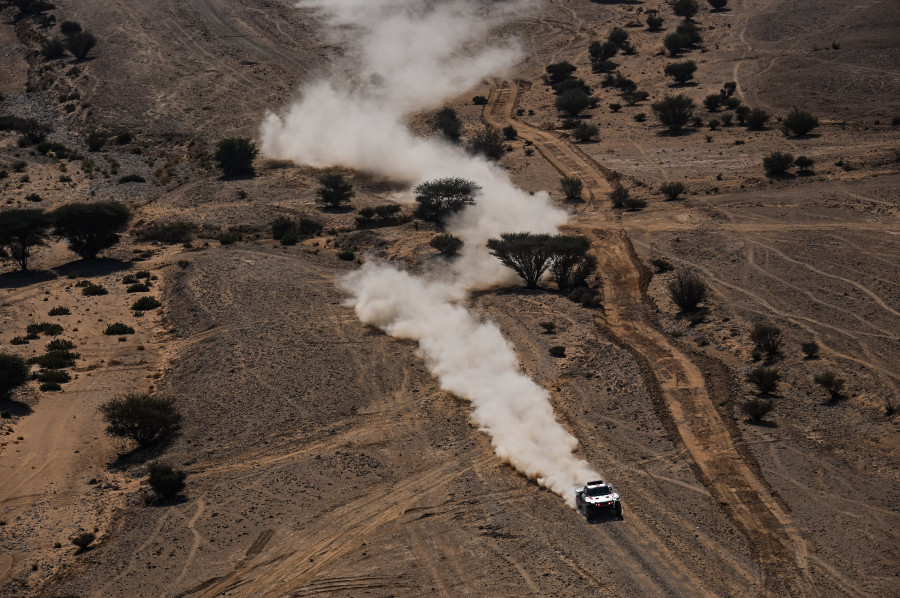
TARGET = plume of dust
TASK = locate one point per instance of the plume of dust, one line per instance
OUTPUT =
(414, 54)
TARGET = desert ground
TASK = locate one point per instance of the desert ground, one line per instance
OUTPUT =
(324, 459)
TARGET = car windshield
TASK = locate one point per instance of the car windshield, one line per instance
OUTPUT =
(597, 491)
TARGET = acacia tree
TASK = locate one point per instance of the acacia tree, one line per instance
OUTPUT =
(528, 254)
(141, 417)
(441, 198)
(21, 229)
(488, 142)
(681, 72)
(571, 264)
(90, 227)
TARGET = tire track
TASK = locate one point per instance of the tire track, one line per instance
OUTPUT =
(779, 552)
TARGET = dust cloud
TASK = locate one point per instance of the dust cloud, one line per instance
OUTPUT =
(411, 55)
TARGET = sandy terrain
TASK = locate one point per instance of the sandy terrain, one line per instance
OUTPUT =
(323, 458)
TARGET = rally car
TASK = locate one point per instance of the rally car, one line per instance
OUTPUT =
(596, 497)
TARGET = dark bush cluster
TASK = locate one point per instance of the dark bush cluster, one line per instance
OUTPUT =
(165, 480)
(687, 289)
(166, 232)
(290, 231)
(448, 245)
(143, 418)
(118, 329)
(235, 156)
(334, 190)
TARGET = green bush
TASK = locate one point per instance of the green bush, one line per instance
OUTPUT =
(55, 360)
(347, 256)
(95, 141)
(480, 101)
(510, 132)
(118, 329)
(165, 480)
(585, 131)
(767, 339)
(634, 203)
(448, 124)
(229, 237)
(756, 409)
(572, 187)
(765, 379)
(60, 344)
(50, 387)
(44, 328)
(687, 290)
(145, 303)
(615, 107)
(13, 373)
(93, 290)
(235, 156)
(18, 340)
(334, 190)
(447, 244)
(686, 8)
(488, 142)
(141, 417)
(557, 351)
(681, 72)
(166, 232)
(810, 349)
(799, 122)
(674, 112)
(830, 382)
(672, 190)
(143, 274)
(60, 311)
(777, 163)
(619, 196)
(58, 376)
(83, 540)
(756, 118)
(138, 287)
(804, 163)
(80, 43)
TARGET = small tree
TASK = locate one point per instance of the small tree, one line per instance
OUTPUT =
(22, 229)
(13, 373)
(675, 43)
(804, 164)
(235, 156)
(810, 349)
(672, 190)
(560, 71)
(687, 290)
(79, 44)
(334, 190)
(568, 253)
(830, 382)
(585, 131)
(619, 196)
(573, 101)
(447, 123)
(767, 339)
(686, 8)
(165, 480)
(712, 102)
(765, 379)
(674, 112)
(654, 21)
(141, 417)
(441, 198)
(600, 54)
(82, 540)
(756, 409)
(681, 72)
(717, 4)
(528, 254)
(90, 227)
(617, 36)
(95, 141)
(777, 163)
(448, 245)
(741, 113)
(54, 48)
(757, 118)
(510, 132)
(571, 187)
(488, 142)
(633, 96)
(799, 122)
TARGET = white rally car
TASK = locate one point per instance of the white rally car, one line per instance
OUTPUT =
(596, 497)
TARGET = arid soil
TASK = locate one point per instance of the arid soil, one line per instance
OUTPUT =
(323, 458)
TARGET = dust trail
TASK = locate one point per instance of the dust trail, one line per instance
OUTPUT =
(412, 54)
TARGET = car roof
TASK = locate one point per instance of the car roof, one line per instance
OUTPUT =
(595, 483)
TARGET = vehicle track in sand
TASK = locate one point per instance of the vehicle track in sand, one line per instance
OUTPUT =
(778, 550)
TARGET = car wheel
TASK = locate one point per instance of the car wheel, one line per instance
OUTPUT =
(619, 509)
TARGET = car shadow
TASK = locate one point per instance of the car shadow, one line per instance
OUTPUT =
(604, 518)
